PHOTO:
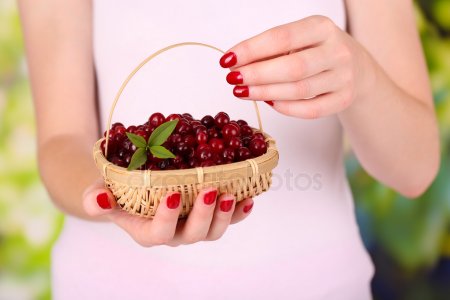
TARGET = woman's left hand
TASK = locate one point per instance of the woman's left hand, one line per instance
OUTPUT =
(307, 69)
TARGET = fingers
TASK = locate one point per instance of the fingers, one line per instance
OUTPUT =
(152, 232)
(290, 68)
(199, 220)
(222, 217)
(319, 84)
(242, 210)
(320, 106)
(98, 200)
(279, 40)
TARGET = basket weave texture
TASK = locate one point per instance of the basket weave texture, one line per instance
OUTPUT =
(139, 191)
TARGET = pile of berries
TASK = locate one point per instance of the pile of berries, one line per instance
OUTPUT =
(193, 143)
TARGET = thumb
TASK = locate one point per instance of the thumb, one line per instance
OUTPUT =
(98, 200)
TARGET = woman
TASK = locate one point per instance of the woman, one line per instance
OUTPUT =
(353, 66)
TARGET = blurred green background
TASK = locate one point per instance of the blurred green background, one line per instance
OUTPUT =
(409, 241)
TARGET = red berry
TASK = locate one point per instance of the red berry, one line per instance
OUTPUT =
(129, 146)
(218, 159)
(243, 153)
(120, 129)
(102, 146)
(183, 128)
(200, 128)
(131, 129)
(173, 117)
(208, 121)
(195, 124)
(202, 138)
(221, 119)
(216, 145)
(113, 126)
(187, 116)
(229, 155)
(257, 147)
(204, 154)
(156, 119)
(182, 148)
(193, 162)
(190, 140)
(118, 162)
(235, 143)
(241, 122)
(141, 133)
(175, 138)
(213, 133)
(229, 131)
(246, 130)
(258, 135)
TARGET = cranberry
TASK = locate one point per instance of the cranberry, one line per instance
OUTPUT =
(102, 146)
(243, 153)
(229, 131)
(257, 147)
(175, 138)
(117, 124)
(200, 128)
(182, 148)
(208, 121)
(190, 140)
(202, 138)
(127, 159)
(195, 124)
(131, 129)
(241, 122)
(259, 136)
(204, 154)
(163, 164)
(120, 129)
(235, 143)
(221, 119)
(203, 146)
(156, 119)
(118, 138)
(173, 117)
(183, 166)
(218, 159)
(216, 145)
(152, 166)
(118, 162)
(187, 116)
(142, 133)
(246, 130)
(183, 128)
(193, 162)
(213, 133)
(229, 155)
(129, 146)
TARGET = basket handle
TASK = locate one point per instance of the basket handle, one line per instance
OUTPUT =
(146, 60)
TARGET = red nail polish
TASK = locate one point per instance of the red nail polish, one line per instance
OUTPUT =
(248, 207)
(226, 205)
(241, 91)
(269, 102)
(173, 200)
(102, 201)
(210, 197)
(228, 60)
(235, 77)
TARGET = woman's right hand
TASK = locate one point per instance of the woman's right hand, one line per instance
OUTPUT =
(208, 220)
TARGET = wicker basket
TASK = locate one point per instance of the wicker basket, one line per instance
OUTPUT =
(139, 192)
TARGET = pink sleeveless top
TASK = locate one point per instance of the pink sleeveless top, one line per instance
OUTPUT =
(301, 240)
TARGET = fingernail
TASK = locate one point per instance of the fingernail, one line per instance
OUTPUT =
(103, 201)
(235, 77)
(173, 200)
(248, 207)
(241, 91)
(269, 102)
(228, 60)
(210, 197)
(226, 205)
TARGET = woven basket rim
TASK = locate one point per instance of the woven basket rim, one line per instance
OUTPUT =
(212, 174)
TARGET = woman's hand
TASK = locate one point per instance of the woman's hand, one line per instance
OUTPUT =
(310, 67)
(208, 220)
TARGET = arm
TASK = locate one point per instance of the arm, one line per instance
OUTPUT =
(59, 51)
(375, 80)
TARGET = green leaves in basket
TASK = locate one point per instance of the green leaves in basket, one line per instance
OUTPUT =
(138, 159)
(161, 152)
(137, 140)
(157, 138)
(162, 133)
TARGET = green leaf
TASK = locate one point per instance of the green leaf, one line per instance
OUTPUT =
(137, 140)
(138, 159)
(161, 152)
(162, 133)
